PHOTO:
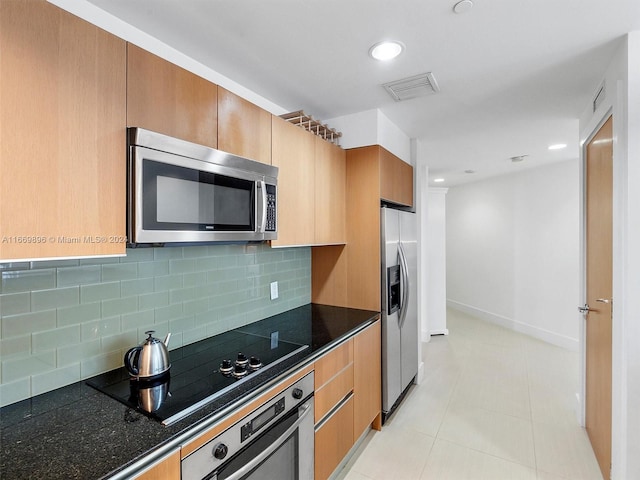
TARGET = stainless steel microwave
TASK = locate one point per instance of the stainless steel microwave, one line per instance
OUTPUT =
(182, 192)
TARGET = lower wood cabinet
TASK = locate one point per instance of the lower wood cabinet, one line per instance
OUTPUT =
(333, 379)
(347, 397)
(167, 468)
(367, 378)
(334, 439)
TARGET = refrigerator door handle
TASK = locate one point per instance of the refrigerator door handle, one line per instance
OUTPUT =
(405, 290)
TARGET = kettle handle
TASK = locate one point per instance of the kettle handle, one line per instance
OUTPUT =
(127, 359)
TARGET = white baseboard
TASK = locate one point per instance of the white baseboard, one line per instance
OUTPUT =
(536, 332)
(442, 331)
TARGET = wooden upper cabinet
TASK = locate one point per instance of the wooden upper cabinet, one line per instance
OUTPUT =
(311, 187)
(396, 179)
(330, 188)
(244, 129)
(293, 152)
(62, 134)
(165, 98)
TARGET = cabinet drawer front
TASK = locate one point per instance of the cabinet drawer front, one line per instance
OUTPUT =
(330, 364)
(332, 392)
(333, 440)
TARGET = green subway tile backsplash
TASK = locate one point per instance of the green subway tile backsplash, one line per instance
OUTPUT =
(65, 320)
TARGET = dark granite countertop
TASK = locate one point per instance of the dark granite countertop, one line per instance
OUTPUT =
(77, 432)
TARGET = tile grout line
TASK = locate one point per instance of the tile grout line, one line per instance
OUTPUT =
(533, 434)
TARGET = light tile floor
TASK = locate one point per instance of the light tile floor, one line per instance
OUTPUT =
(494, 405)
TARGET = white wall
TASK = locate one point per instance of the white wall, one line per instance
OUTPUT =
(436, 287)
(513, 251)
(372, 127)
(622, 80)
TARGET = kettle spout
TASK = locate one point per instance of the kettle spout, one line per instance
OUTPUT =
(166, 340)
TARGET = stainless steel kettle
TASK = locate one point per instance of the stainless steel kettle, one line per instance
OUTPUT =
(150, 359)
(149, 395)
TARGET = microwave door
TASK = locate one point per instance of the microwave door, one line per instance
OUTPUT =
(180, 192)
(176, 202)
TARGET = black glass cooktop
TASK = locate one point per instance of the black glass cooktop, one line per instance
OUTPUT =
(195, 377)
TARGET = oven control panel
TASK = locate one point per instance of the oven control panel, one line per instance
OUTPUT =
(260, 420)
(219, 450)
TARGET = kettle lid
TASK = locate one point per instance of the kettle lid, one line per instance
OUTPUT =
(150, 339)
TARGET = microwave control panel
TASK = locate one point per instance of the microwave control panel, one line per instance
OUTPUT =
(270, 225)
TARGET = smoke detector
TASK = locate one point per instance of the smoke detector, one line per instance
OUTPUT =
(412, 87)
(463, 6)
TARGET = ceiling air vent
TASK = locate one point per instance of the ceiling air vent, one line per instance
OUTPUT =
(412, 87)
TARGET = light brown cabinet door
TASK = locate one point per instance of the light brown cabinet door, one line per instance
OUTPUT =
(293, 152)
(244, 129)
(330, 187)
(396, 179)
(62, 134)
(167, 99)
(333, 440)
(366, 379)
(363, 228)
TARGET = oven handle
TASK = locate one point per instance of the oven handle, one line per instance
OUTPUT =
(306, 408)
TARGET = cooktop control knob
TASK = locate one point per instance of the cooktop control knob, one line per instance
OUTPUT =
(240, 371)
(254, 363)
(226, 366)
(297, 393)
(242, 359)
(220, 451)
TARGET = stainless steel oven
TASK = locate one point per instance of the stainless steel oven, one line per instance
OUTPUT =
(275, 441)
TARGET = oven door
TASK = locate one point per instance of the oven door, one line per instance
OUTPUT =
(284, 452)
(174, 199)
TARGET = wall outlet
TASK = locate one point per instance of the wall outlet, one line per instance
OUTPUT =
(274, 290)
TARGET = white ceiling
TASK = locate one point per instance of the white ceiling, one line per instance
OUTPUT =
(514, 75)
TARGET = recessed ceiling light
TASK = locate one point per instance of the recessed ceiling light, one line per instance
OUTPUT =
(438, 180)
(386, 50)
(558, 146)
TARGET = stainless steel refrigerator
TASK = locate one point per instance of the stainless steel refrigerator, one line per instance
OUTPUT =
(399, 258)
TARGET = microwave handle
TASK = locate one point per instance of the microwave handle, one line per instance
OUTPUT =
(262, 206)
